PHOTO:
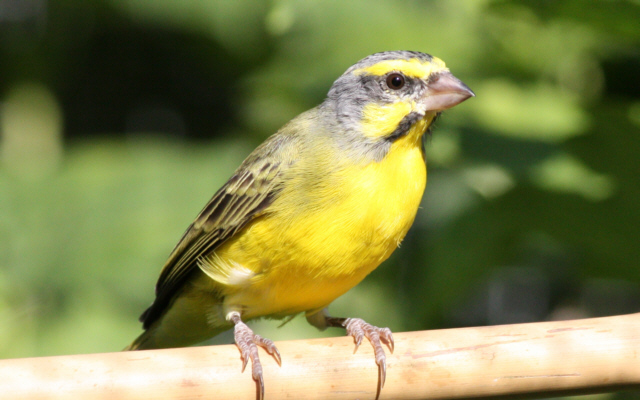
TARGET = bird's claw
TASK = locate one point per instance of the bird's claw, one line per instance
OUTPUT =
(248, 343)
(358, 328)
(269, 347)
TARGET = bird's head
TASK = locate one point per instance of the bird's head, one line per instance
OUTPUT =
(389, 95)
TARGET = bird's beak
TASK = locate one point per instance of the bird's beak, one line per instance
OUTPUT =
(445, 91)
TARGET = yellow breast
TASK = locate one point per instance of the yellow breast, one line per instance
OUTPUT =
(318, 242)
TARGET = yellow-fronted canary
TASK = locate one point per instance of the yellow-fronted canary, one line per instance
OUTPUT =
(310, 212)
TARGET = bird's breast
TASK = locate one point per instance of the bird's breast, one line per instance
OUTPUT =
(321, 239)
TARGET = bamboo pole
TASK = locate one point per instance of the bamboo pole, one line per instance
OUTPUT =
(532, 360)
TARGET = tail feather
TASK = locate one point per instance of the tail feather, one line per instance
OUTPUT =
(144, 342)
(191, 318)
(158, 338)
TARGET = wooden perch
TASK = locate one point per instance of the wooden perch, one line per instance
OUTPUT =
(534, 360)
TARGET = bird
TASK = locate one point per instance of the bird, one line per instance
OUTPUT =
(308, 214)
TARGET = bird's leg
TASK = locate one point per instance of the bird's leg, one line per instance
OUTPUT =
(359, 329)
(248, 343)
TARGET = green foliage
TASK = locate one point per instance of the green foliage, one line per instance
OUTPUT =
(531, 210)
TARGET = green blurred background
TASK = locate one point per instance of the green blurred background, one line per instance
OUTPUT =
(120, 118)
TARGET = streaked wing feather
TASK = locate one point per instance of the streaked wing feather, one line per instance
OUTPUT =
(246, 195)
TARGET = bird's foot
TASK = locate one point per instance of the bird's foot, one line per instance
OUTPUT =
(359, 329)
(248, 343)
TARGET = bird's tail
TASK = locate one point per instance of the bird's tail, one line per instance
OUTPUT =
(157, 337)
(184, 324)
(142, 342)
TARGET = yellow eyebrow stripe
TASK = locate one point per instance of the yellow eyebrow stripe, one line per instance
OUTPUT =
(412, 68)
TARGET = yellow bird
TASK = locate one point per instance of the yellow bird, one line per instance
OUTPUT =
(309, 214)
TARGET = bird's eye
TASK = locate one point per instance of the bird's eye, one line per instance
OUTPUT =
(395, 81)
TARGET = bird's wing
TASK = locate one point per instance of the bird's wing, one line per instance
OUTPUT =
(246, 195)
